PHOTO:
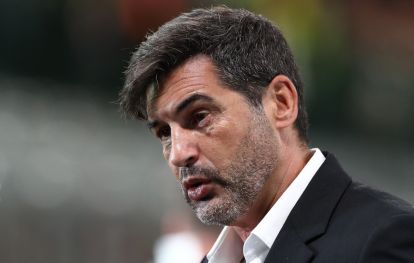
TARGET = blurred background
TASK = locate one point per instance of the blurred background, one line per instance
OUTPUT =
(80, 184)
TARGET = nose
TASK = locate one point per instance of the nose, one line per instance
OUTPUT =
(184, 150)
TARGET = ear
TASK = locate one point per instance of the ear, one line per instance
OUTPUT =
(280, 102)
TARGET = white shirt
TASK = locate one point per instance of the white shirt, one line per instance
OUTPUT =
(229, 248)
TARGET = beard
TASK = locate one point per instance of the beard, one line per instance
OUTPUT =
(242, 180)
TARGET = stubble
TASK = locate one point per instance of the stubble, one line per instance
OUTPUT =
(242, 180)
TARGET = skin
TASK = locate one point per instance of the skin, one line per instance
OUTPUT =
(201, 123)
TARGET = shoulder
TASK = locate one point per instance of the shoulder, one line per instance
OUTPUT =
(380, 225)
(362, 209)
(360, 199)
(368, 202)
(392, 240)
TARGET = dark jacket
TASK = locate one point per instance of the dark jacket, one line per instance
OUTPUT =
(337, 220)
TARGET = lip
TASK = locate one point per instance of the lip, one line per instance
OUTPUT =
(194, 181)
(198, 188)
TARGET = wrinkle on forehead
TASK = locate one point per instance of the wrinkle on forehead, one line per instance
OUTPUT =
(184, 80)
(167, 101)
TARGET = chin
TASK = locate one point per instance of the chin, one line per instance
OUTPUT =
(217, 212)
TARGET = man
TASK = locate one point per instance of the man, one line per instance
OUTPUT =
(220, 89)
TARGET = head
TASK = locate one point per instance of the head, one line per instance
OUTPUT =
(202, 81)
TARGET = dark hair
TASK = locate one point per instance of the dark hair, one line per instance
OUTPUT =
(247, 50)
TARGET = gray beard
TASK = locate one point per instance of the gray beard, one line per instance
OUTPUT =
(242, 180)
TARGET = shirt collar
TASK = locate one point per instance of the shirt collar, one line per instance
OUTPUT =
(270, 226)
(228, 246)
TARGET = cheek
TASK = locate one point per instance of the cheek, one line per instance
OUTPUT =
(175, 171)
(166, 149)
(222, 143)
(166, 154)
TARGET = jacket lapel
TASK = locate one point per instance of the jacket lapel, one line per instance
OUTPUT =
(310, 216)
(288, 247)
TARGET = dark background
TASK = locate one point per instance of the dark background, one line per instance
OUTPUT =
(79, 184)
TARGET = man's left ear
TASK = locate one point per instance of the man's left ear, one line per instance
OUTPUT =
(280, 101)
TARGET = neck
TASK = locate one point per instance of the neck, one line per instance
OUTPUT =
(291, 162)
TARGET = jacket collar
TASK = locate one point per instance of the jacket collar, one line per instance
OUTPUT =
(311, 214)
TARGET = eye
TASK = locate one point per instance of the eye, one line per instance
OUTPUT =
(200, 119)
(163, 133)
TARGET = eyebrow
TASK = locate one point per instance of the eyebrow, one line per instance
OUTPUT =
(190, 100)
(182, 106)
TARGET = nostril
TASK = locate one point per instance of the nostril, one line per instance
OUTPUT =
(182, 159)
(190, 161)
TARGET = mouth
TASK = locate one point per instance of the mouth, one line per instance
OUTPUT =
(198, 188)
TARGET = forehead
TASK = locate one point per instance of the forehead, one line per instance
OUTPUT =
(196, 76)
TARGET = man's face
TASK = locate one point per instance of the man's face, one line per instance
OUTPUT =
(220, 149)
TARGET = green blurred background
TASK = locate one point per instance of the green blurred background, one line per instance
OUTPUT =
(79, 184)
